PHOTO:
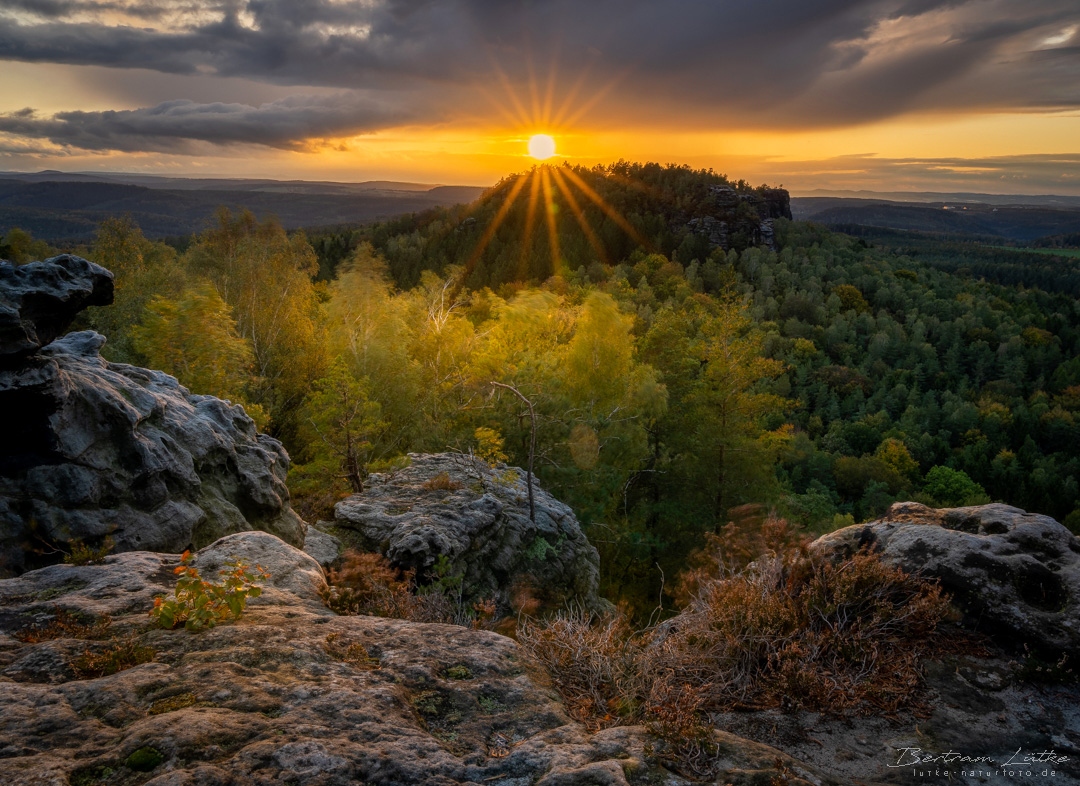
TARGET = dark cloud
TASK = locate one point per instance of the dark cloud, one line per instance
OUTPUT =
(174, 126)
(693, 63)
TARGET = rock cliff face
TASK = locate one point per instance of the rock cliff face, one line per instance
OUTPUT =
(293, 694)
(477, 517)
(748, 216)
(1014, 575)
(93, 449)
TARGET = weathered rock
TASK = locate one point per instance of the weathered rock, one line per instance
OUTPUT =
(755, 226)
(458, 507)
(293, 694)
(1015, 575)
(322, 546)
(292, 571)
(39, 300)
(104, 449)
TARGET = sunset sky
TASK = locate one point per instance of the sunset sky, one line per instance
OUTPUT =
(931, 95)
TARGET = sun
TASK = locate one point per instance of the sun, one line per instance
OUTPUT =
(541, 146)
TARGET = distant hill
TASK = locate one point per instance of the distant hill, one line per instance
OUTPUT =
(1039, 200)
(61, 206)
(1018, 222)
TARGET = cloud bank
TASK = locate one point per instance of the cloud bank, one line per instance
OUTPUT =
(771, 64)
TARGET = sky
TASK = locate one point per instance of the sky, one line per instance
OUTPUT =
(888, 95)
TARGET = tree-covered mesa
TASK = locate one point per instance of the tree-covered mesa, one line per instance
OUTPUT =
(673, 382)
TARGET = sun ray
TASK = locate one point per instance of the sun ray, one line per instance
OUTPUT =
(530, 222)
(549, 212)
(579, 214)
(611, 212)
(549, 95)
(510, 117)
(571, 96)
(500, 215)
(534, 90)
(634, 184)
(504, 81)
(595, 99)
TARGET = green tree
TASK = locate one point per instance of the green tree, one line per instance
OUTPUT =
(20, 247)
(345, 425)
(141, 270)
(194, 338)
(953, 487)
(266, 275)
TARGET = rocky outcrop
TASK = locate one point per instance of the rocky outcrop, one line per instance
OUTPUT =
(725, 223)
(39, 301)
(1014, 575)
(476, 516)
(294, 694)
(94, 449)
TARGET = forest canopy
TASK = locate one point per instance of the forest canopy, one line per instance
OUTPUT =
(674, 382)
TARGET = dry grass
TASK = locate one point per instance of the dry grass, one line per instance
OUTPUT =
(121, 654)
(65, 625)
(751, 534)
(441, 482)
(832, 637)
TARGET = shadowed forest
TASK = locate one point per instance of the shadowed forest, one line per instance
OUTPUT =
(676, 386)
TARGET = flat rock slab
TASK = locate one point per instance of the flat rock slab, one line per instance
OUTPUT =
(293, 694)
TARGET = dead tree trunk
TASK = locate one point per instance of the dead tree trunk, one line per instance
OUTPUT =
(532, 445)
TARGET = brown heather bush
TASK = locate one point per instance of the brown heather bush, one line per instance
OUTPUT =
(120, 654)
(791, 631)
(367, 583)
(804, 632)
(751, 534)
(594, 664)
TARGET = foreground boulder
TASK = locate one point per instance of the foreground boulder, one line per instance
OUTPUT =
(294, 694)
(1014, 575)
(477, 517)
(93, 449)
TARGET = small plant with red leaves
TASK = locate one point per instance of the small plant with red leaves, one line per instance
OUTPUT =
(199, 604)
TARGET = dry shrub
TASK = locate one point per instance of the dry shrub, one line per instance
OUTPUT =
(832, 637)
(592, 663)
(751, 534)
(441, 482)
(789, 631)
(366, 583)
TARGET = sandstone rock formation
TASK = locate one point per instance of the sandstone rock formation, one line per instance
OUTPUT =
(477, 517)
(294, 694)
(724, 217)
(1015, 575)
(93, 449)
(39, 300)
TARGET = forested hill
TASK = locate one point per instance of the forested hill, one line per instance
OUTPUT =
(587, 218)
(692, 356)
(893, 365)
